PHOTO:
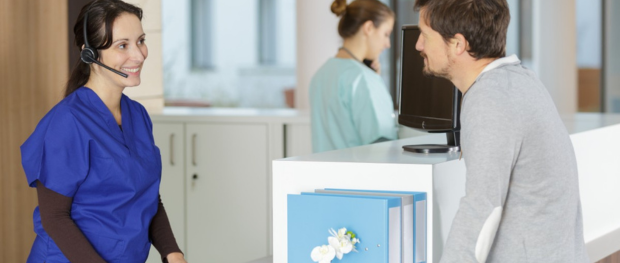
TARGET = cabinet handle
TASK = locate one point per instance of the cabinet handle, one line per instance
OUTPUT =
(172, 149)
(194, 149)
(194, 179)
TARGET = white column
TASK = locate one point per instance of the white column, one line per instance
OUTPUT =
(317, 40)
(554, 49)
(150, 92)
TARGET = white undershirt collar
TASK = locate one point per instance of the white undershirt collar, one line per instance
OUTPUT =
(501, 61)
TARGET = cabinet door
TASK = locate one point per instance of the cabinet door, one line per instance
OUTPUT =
(298, 140)
(170, 138)
(227, 197)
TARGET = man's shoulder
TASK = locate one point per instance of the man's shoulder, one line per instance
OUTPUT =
(509, 75)
(505, 82)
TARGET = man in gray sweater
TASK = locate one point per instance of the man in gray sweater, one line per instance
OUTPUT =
(522, 193)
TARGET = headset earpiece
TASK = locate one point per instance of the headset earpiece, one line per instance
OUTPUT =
(88, 55)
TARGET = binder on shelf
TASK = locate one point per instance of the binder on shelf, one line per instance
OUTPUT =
(374, 219)
(414, 227)
(393, 249)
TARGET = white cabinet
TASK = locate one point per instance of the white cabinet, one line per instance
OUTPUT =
(297, 139)
(216, 181)
(170, 138)
(226, 193)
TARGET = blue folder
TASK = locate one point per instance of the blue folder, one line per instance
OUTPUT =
(372, 219)
(417, 239)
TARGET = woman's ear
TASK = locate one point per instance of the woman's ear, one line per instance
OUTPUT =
(368, 27)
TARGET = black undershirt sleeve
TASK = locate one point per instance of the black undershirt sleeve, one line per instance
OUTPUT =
(55, 210)
(161, 234)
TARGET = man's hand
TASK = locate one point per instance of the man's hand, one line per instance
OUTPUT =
(176, 257)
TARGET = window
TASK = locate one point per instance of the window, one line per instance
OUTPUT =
(202, 57)
(267, 28)
(611, 56)
(525, 31)
(589, 54)
(222, 53)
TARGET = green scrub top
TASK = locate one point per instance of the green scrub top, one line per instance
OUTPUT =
(350, 106)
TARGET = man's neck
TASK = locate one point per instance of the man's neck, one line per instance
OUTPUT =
(466, 75)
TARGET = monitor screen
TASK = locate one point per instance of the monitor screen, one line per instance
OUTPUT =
(425, 103)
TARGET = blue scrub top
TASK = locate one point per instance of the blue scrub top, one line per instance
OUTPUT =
(113, 175)
(350, 106)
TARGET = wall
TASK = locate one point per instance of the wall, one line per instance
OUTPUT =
(150, 92)
(317, 40)
(554, 48)
(33, 70)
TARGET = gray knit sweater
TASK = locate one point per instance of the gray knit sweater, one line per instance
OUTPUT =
(522, 193)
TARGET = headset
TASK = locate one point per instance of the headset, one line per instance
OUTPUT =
(89, 54)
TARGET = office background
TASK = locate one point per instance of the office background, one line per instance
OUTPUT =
(274, 49)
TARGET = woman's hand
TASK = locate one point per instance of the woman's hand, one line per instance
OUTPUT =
(376, 65)
(176, 257)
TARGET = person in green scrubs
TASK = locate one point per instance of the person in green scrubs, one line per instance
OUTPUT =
(350, 104)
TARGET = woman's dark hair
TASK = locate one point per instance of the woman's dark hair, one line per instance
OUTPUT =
(483, 23)
(101, 16)
(354, 15)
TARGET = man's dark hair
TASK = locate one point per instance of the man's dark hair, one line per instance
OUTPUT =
(483, 23)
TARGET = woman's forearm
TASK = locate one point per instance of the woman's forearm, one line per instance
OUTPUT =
(55, 210)
(161, 233)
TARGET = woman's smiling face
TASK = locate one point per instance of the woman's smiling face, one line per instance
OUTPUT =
(127, 52)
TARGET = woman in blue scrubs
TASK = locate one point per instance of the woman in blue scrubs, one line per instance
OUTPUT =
(350, 104)
(92, 158)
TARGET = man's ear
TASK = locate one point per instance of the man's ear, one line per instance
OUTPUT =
(459, 44)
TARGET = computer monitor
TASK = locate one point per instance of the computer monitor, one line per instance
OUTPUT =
(429, 104)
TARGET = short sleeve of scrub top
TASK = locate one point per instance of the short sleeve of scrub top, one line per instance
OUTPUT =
(55, 155)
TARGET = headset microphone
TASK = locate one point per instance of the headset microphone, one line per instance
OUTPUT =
(90, 55)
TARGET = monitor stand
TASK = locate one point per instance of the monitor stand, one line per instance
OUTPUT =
(453, 146)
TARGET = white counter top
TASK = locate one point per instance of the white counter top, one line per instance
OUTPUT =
(392, 152)
(385, 152)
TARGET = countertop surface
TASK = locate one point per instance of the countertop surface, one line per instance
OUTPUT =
(392, 151)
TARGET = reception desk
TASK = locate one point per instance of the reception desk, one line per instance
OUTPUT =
(385, 166)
